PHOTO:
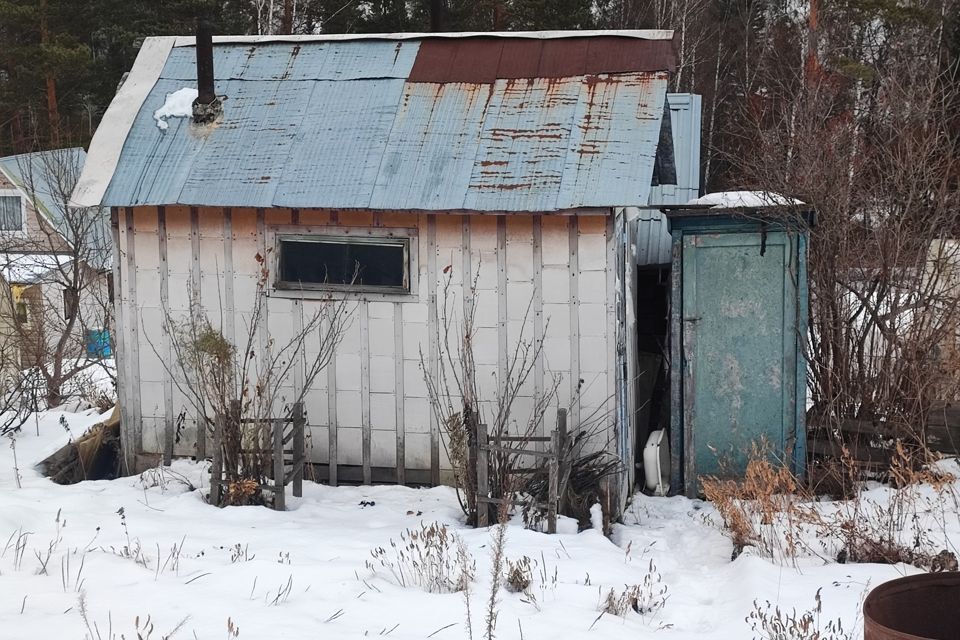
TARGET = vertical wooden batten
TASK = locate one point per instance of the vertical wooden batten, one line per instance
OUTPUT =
(538, 330)
(399, 391)
(363, 310)
(133, 332)
(124, 377)
(574, 267)
(169, 426)
(195, 298)
(229, 320)
(433, 321)
(503, 349)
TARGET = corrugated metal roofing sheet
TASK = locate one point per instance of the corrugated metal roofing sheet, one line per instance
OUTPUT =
(337, 124)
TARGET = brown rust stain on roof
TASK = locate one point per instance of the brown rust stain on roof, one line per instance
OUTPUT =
(486, 59)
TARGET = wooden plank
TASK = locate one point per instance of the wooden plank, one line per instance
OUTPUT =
(195, 295)
(299, 452)
(398, 394)
(689, 345)
(166, 347)
(279, 500)
(552, 480)
(523, 439)
(514, 450)
(332, 420)
(133, 344)
(229, 313)
(483, 486)
(120, 344)
(944, 414)
(216, 467)
(538, 329)
(434, 356)
(676, 368)
(574, 272)
(502, 337)
(857, 451)
(363, 311)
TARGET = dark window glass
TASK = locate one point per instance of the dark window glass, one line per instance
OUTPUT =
(344, 263)
(11, 213)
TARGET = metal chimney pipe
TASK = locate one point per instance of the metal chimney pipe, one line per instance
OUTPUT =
(206, 107)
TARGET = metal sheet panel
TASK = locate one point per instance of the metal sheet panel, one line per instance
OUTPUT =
(520, 164)
(299, 61)
(433, 146)
(615, 135)
(337, 153)
(368, 140)
(653, 233)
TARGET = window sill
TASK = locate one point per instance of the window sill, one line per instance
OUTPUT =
(340, 294)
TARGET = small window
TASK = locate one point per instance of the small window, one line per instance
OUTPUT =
(352, 264)
(21, 312)
(70, 303)
(11, 213)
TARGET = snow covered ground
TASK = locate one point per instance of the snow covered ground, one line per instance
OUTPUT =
(303, 573)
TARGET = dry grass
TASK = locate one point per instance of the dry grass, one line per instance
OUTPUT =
(771, 511)
(767, 495)
(430, 558)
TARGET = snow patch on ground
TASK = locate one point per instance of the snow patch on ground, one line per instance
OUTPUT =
(178, 104)
(171, 556)
(734, 199)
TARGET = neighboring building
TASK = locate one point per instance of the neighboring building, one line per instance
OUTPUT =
(42, 289)
(522, 157)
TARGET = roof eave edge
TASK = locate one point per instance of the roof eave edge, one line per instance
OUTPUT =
(640, 34)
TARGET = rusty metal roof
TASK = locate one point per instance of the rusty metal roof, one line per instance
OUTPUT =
(475, 123)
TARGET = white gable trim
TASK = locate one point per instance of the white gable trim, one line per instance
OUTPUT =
(107, 143)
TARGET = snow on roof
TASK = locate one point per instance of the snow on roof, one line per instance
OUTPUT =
(744, 199)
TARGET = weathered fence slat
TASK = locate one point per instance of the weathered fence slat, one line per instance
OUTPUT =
(279, 436)
(483, 486)
(479, 458)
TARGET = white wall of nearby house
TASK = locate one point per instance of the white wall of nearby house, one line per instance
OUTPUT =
(371, 407)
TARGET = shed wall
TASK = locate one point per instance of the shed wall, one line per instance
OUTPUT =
(369, 416)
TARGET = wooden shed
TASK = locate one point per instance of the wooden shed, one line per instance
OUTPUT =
(513, 157)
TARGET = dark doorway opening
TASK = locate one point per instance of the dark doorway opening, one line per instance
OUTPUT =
(653, 351)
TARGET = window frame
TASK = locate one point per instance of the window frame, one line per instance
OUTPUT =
(16, 193)
(407, 236)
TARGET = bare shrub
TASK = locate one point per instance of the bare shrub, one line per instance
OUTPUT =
(239, 389)
(459, 407)
(430, 558)
(519, 574)
(769, 622)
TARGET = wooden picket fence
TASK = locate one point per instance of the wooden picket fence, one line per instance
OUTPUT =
(519, 445)
(287, 453)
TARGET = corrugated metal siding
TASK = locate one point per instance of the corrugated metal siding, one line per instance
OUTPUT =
(652, 233)
(333, 124)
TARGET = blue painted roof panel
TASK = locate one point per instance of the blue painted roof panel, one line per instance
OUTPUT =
(356, 60)
(340, 145)
(334, 124)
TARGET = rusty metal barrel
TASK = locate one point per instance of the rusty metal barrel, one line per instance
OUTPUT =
(920, 607)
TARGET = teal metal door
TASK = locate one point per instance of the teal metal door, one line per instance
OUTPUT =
(739, 345)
